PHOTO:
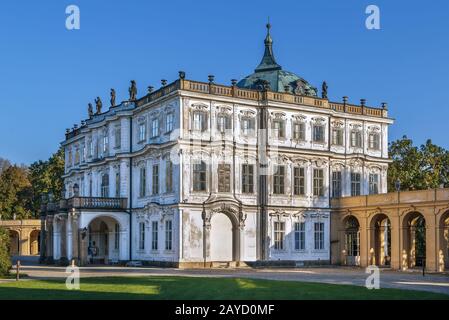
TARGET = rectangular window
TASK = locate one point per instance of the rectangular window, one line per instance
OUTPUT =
(169, 176)
(224, 177)
(142, 236)
(336, 184)
(118, 137)
(278, 179)
(105, 186)
(300, 235)
(199, 176)
(223, 123)
(154, 235)
(83, 153)
(318, 133)
(299, 182)
(373, 183)
(337, 136)
(199, 121)
(374, 141)
(155, 179)
(168, 235)
(143, 182)
(247, 126)
(319, 236)
(279, 234)
(155, 128)
(117, 184)
(278, 129)
(247, 178)
(105, 143)
(299, 131)
(142, 132)
(169, 122)
(355, 184)
(90, 149)
(116, 236)
(318, 182)
(356, 139)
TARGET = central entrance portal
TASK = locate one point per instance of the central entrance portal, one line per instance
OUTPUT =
(103, 241)
(221, 238)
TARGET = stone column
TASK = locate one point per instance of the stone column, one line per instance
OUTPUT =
(75, 238)
(431, 243)
(395, 253)
(63, 239)
(24, 242)
(82, 247)
(49, 239)
(364, 243)
(404, 247)
(206, 236)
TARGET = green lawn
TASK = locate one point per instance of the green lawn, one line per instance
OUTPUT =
(197, 289)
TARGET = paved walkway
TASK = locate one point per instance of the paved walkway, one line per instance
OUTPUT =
(334, 275)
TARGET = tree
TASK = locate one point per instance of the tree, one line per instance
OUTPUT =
(15, 193)
(46, 177)
(417, 168)
(5, 261)
(4, 164)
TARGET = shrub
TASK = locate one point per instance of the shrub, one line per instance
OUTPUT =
(5, 259)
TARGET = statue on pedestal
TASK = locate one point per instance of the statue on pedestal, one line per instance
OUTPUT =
(112, 97)
(133, 91)
(90, 110)
(324, 90)
(98, 104)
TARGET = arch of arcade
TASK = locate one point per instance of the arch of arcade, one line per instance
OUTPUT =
(401, 230)
(24, 236)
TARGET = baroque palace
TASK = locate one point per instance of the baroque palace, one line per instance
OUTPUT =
(197, 174)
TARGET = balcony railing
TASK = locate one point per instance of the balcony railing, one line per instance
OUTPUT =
(97, 203)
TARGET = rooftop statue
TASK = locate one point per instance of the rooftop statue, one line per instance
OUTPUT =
(112, 97)
(90, 110)
(98, 104)
(133, 91)
(324, 92)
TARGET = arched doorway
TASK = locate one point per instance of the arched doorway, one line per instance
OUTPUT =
(444, 242)
(352, 241)
(35, 242)
(14, 242)
(103, 241)
(221, 238)
(414, 225)
(381, 228)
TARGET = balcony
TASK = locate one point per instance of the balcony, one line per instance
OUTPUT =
(97, 203)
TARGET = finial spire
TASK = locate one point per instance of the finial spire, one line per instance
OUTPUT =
(268, 61)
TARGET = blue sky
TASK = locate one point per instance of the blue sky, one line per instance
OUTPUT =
(48, 74)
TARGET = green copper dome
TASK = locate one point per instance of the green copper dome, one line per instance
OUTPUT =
(278, 79)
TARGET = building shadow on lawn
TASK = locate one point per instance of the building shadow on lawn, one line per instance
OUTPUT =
(192, 288)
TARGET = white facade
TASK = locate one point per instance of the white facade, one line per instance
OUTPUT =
(193, 192)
